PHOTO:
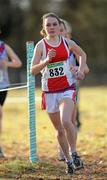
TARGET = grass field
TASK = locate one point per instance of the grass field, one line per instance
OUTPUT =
(92, 139)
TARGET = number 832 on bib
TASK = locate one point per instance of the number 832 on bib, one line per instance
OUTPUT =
(56, 69)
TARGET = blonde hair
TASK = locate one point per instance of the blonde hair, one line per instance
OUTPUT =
(42, 32)
(67, 25)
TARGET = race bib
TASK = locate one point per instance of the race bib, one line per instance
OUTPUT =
(56, 69)
(1, 75)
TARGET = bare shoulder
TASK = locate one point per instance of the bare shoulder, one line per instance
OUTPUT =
(39, 45)
(70, 42)
(38, 51)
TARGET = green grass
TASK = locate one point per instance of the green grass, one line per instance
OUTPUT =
(92, 139)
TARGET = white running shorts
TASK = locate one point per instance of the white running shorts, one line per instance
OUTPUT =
(53, 100)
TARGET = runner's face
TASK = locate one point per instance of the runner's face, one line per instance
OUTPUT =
(62, 30)
(51, 26)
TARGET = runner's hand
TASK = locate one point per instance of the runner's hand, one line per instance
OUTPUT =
(73, 69)
(51, 54)
(3, 63)
(80, 74)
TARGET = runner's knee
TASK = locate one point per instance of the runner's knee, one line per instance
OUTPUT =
(66, 124)
(60, 132)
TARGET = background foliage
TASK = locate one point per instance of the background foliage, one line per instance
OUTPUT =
(20, 21)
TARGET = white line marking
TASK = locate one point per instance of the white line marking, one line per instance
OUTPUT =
(8, 89)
